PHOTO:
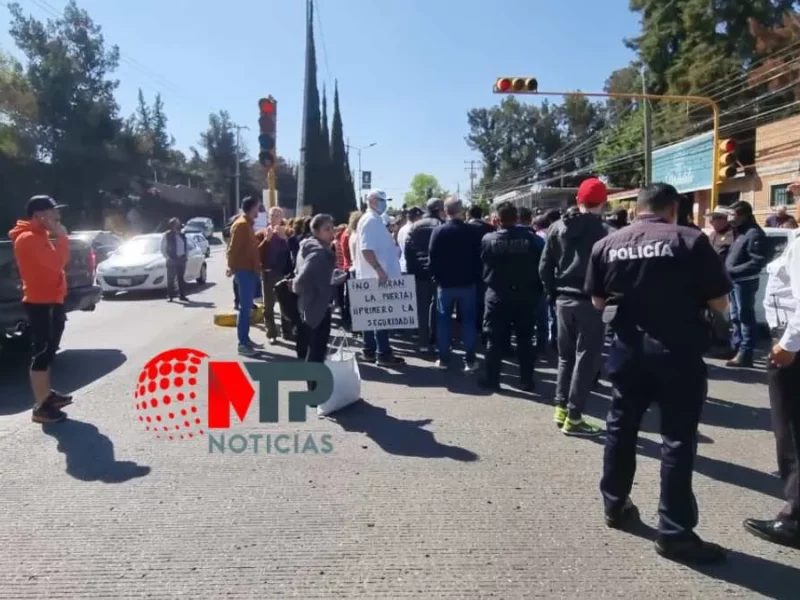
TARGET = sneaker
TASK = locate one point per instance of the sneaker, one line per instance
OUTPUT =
(367, 357)
(580, 428)
(441, 364)
(58, 400)
(254, 345)
(470, 366)
(626, 516)
(690, 549)
(47, 413)
(387, 361)
(247, 351)
(559, 416)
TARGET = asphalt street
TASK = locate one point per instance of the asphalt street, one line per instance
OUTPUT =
(433, 488)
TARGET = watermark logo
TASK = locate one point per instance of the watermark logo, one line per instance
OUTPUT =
(170, 404)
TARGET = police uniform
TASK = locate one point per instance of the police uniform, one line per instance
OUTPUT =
(511, 274)
(656, 279)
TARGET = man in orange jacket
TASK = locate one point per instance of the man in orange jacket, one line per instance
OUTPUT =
(44, 286)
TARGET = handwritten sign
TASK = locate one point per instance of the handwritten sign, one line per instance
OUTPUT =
(392, 305)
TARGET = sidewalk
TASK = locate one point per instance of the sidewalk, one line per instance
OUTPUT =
(433, 490)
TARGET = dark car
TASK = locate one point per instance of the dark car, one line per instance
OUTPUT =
(82, 291)
(202, 225)
(104, 243)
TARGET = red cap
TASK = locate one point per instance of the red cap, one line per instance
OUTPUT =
(592, 192)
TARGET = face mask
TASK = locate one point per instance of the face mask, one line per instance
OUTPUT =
(381, 208)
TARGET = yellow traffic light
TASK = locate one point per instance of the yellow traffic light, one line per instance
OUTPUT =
(516, 85)
(726, 160)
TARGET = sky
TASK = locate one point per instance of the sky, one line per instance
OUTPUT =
(408, 70)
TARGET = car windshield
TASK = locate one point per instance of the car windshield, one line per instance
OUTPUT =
(195, 223)
(140, 246)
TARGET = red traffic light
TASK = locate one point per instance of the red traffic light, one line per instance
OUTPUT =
(266, 106)
(727, 146)
(503, 84)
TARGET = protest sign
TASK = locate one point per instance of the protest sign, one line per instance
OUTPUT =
(392, 305)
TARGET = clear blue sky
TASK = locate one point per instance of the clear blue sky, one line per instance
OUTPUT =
(408, 70)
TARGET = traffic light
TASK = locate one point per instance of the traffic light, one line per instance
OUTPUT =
(516, 85)
(268, 112)
(726, 160)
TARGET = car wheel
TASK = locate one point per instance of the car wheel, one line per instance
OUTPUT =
(203, 275)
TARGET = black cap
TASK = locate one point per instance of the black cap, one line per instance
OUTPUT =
(742, 207)
(41, 203)
(415, 211)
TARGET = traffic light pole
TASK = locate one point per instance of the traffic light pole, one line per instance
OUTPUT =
(668, 97)
(271, 181)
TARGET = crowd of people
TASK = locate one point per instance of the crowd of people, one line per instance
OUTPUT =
(652, 283)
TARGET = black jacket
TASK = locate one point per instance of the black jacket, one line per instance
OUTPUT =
(567, 251)
(747, 255)
(481, 228)
(454, 255)
(418, 245)
(172, 246)
(510, 263)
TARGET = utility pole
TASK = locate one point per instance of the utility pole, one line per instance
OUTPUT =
(648, 133)
(472, 175)
(238, 129)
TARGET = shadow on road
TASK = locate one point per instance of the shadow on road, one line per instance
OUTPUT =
(143, 295)
(759, 575)
(90, 454)
(398, 436)
(72, 370)
(755, 375)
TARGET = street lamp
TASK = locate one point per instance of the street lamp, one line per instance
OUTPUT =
(358, 150)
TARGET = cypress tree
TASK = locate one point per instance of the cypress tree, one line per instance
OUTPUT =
(308, 176)
(340, 205)
(350, 189)
(326, 178)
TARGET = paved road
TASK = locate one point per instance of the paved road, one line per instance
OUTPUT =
(433, 490)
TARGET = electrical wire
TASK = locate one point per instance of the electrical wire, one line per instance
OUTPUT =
(324, 48)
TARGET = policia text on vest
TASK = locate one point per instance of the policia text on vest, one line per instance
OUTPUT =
(392, 305)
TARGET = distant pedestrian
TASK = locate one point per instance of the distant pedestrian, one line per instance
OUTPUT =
(244, 263)
(276, 263)
(41, 264)
(174, 248)
(480, 228)
(413, 215)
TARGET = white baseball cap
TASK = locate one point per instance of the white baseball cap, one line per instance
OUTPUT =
(379, 194)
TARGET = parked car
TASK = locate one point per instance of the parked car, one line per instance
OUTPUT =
(102, 242)
(777, 241)
(82, 292)
(201, 241)
(138, 265)
(202, 225)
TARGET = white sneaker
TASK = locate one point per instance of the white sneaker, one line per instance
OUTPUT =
(470, 367)
(441, 365)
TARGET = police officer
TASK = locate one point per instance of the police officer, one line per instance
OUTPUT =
(654, 279)
(510, 259)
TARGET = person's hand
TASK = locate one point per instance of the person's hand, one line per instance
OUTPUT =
(794, 188)
(228, 273)
(780, 357)
(57, 229)
(382, 277)
(268, 232)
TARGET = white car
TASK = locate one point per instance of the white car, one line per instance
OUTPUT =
(138, 265)
(777, 240)
(201, 241)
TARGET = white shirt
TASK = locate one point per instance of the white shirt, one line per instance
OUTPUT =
(542, 233)
(402, 236)
(373, 235)
(352, 242)
(782, 296)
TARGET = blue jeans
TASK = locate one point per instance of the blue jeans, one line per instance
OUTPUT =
(377, 342)
(247, 281)
(743, 316)
(467, 302)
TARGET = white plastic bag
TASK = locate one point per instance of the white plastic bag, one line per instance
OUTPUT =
(346, 378)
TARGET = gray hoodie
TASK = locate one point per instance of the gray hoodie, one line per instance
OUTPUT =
(567, 251)
(312, 284)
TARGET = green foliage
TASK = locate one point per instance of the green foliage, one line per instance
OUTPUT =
(422, 188)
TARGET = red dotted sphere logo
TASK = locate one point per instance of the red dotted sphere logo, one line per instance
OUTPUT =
(167, 394)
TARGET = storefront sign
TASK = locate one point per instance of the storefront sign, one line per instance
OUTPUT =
(686, 165)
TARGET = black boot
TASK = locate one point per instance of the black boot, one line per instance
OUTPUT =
(690, 549)
(778, 531)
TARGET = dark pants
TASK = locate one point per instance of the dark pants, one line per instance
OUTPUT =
(312, 342)
(502, 317)
(46, 328)
(377, 342)
(426, 311)
(743, 316)
(784, 393)
(268, 279)
(678, 385)
(581, 334)
(343, 302)
(480, 294)
(176, 269)
(542, 323)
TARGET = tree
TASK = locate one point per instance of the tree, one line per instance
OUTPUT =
(219, 143)
(310, 183)
(782, 71)
(343, 202)
(17, 109)
(422, 188)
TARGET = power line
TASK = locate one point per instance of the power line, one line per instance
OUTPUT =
(324, 48)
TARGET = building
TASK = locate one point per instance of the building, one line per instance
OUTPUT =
(769, 157)
(544, 198)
